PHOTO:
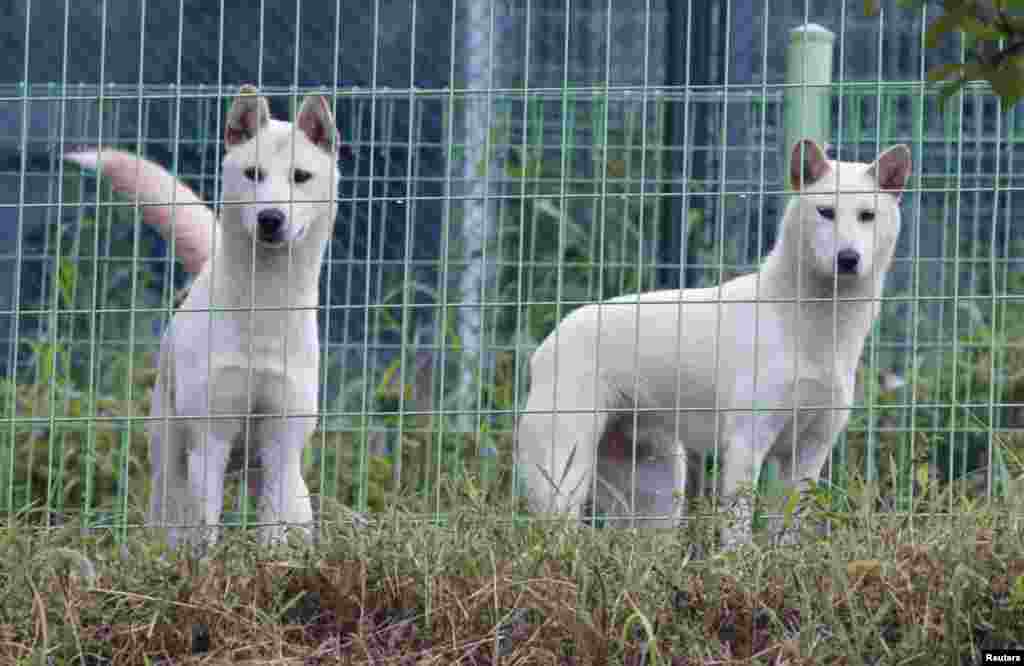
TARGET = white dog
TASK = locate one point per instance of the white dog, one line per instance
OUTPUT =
(239, 364)
(761, 365)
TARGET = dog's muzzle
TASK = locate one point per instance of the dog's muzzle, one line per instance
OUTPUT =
(270, 224)
(847, 262)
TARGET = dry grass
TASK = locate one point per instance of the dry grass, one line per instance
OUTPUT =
(481, 589)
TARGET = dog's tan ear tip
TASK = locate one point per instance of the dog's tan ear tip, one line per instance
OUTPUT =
(808, 151)
(318, 103)
(901, 153)
(807, 142)
(904, 149)
(807, 163)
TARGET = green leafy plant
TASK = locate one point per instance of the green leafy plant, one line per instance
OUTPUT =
(994, 30)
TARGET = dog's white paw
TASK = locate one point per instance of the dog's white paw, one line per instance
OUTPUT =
(738, 530)
(797, 530)
(279, 533)
(785, 535)
(735, 537)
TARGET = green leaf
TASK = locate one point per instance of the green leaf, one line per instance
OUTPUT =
(986, 31)
(1017, 595)
(968, 72)
(67, 279)
(45, 354)
(389, 375)
(1009, 101)
(790, 508)
(948, 22)
(871, 7)
(949, 90)
(1006, 82)
(652, 643)
(694, 219)
(943, 72)
(921, 475)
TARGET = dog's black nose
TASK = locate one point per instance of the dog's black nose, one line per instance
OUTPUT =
(271, 222)
(847, 261)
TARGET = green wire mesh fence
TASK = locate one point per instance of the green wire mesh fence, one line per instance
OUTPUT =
(588, 196)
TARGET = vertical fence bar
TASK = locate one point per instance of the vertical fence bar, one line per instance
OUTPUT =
(519, 324)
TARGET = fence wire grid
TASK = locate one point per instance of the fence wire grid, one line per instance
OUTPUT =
(502, 164)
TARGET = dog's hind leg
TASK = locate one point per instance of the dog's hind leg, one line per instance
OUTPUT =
(670, 503)
(558, 443)
(170, 504)
(668, 488)
(284, 496)
(646, 489)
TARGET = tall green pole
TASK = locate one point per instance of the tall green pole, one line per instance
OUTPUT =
(807, 100)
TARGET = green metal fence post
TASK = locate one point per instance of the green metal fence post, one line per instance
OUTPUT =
(807, 99)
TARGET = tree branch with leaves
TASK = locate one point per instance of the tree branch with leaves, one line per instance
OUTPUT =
(995, 31)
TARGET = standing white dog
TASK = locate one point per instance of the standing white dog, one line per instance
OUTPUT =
(761, 365)
(239, 364)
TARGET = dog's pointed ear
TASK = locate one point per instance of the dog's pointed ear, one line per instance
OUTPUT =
(892, 169)
(248, 113)
(807, 164)
(317, 123)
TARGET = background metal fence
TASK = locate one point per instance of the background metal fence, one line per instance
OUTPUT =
(590, 178)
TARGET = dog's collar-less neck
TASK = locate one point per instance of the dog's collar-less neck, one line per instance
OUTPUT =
(844, 316)
(243, 266)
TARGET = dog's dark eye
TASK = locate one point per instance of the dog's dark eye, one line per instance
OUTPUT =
(254, 174)
(827, 212)
(300, 176)
(866, 216)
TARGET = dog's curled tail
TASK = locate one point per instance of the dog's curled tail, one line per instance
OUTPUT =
(167, 204)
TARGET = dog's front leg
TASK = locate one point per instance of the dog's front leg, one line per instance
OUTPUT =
(802, 458)
(284, 496)
(749, 437)
(207, 464)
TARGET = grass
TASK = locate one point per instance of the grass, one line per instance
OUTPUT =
(479, 588)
